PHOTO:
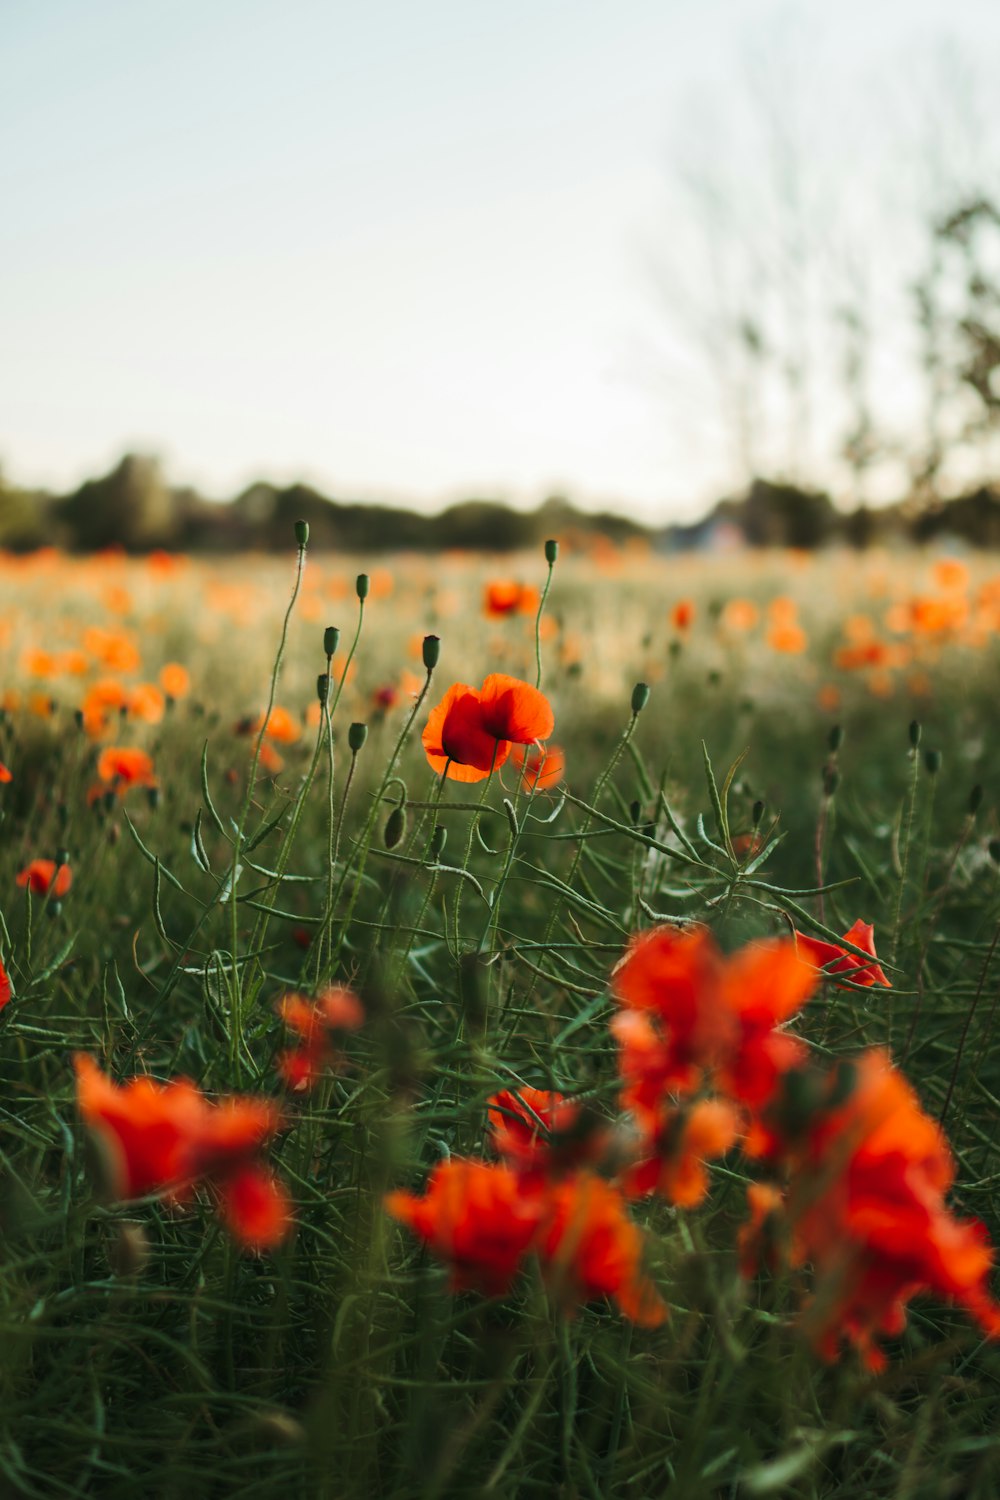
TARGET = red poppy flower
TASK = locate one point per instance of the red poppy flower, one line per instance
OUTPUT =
(589, 1247)
(317, 1023)
(684, 1140)
(505, 597)
(5, 774)
(540, 1131)
(44, 875)
(125, 767)
(167, 1138)
(456, 740)
(836, 960)
(541, 769)
(514, 710)
(479, 1218)
(5, 991)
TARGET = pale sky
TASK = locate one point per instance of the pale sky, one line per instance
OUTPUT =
(408, 251)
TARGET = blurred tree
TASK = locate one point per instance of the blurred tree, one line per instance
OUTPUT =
(131, 507)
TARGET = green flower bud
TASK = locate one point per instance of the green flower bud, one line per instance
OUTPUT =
(831, 780)
(640, 697)
(438, 840)
(362, 585)
(322, 687)
(635, 812)
(331, 640)
(915, 732)
(932, 760)
(836, 738)
(62, 857)
(431, 651)
(551, 551)
(758, 813)
(55, 909)
(153, 797)
(395, 827)
(302, 534)
(356, 736)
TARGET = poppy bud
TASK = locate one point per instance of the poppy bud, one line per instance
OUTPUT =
(322, 687)
(362, 585)
(62, 857)
(975, 800)
(994, 847)
(431, 651)
(356, 736)
(915, 733)
(63, 813)
(836, 737)
(831, 780)
(932, 760)
(551, 551)
(55, 909)
(395, 827)
(640, 697)
(302, 534)
(331, 640)
(635, 812)
(438, 840)
(758, 813)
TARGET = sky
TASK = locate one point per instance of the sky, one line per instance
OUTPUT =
(418, 252)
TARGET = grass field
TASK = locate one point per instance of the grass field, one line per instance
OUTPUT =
(306, 1290)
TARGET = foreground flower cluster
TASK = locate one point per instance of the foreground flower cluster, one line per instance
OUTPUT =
(853, 1173)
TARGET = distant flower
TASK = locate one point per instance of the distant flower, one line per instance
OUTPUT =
(43, 876)
(589, 1247)
(5, 774)
(682, 614)
(506, 597)
(540, 1131)
(4, 986)
(168, 1138)
(541, 769)
(318, 1024)
(175, 680)
(124, 767)
(833, 959)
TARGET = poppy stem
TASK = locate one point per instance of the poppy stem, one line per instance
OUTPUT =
(538, 619)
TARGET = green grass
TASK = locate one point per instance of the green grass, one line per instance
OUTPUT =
(144, 1353)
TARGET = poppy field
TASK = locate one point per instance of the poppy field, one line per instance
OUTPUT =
(500, 1027)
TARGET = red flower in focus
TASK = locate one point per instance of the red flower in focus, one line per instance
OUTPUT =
(155, 1137)
(481, 1219)
(456, 740)
(589, 1247)
(5, 774)
(541, 769)
(836, 960)
(125, 767)
(682, 1143)
(514, 710)
(4, 986)
(43, 876)
(505, 597)
(317, 1023)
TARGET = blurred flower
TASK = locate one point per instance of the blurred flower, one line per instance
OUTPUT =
(317, 1024)
(43, 876)
(679, 1147)
(589, 1247)
(125, 767)
(175, 680)
(541, 769)
(5, 774)
(506, 597)
(4, 986)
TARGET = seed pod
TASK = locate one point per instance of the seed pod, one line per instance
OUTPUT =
(635, 812)
(640, 697)
(836, 738)
(932, 760)
(551, 551)
(915, 732)
(331, 640)
(431, 651)
(363, 584)
(395, 827)
(356, 736)
(757, 813)
(55, 909)
(438, 840)
(302, 534)
(831, 780)
(323, 687)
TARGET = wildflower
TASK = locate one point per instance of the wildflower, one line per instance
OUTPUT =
(514, 710)
(175, 680)
(540, 1131)
(456, 741)
(146, 702)
(589, 1247)
(5, 774)
(477, 1217)
(505, 597)
(540, 769)
(682, 614)
(316, 1023)
(833, 959)
(683, 1141)
(167, 1138)
(280, 726)
(125, 767)
(43, 876)
(5, 990)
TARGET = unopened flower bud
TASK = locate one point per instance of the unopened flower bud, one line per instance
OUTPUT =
(438, 840)
(915, 732)
(55, 909)
(640, 697)
(757, 813)
(431, 651)
(331, 640)
(831, 780)
(356, 736)
(62, 857)
(551, 551)
(395, 827)
(322, 687)
(836, 737)
(635, 811)
(932, 761)
(302, 534)
(362, 585)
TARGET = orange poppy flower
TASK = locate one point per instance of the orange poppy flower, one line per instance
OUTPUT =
(167, 1138)
(541, 769)
(5, 774)
(269, 758)
(833, 959)
(682, 1143)
(125, 767)
(175, 680)
(540, 1131)
(43, 876)
(317, 1023)
(479, 1218)
(455, 740)
(589, 1247)
(280, 726)
(682, 614)
(146, 702)
(506, 597)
